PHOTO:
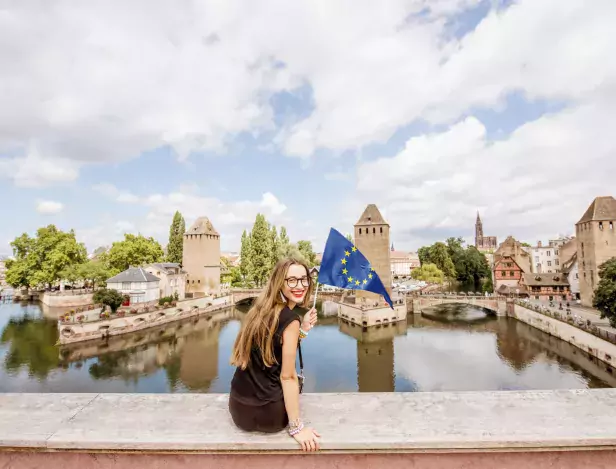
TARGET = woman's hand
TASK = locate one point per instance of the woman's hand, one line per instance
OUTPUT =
(310, 319)
(308, 439)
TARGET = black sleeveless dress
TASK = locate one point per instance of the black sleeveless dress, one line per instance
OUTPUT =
(256, 402)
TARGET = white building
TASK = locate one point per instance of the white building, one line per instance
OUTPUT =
(570, 268)
(546, 259)
(402, 263)
(172, 278)
(139, 285)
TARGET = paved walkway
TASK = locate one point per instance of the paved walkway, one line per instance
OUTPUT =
(583, 312)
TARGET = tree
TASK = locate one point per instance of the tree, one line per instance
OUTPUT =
(175, 248)
(42, 259)
(135, 250)
(107, 297)
(275, 244)
(605, 294)
(305, 248)
(429, 273)
(94, 271)
(260, 250)
(439, 256)
(488, 286)
(349, 237)
(245, 258)
(424, 255)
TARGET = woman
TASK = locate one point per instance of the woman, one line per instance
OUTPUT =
(265, 388)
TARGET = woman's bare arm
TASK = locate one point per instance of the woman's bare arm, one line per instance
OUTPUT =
(288, 373)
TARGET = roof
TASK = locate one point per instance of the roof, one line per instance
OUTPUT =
(601, 209)
(133, 274)
(403, 255)
(507, 259)
(509, 290)
(371, 216)
(568, 264)
(537, 280)
(202, 225)
(167, 265)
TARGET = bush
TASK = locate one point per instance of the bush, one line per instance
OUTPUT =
(165, 299)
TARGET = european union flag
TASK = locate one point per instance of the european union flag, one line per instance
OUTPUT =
(344, 266)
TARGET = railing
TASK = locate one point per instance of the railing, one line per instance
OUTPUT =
(77, 291)
(572, 319)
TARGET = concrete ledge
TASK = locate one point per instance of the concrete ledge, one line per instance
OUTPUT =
(348, 423)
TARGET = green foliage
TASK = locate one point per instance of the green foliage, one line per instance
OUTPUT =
(166, 299)
(305, 248)
(246, 257)
(605, 294)
(30, 344)
(455, 261)
(261, 250)
(349, 237)
(135, 250)
(175, 247)
(95, 272)
(108, 297)
(41, 260)
(429, 273)
(488, 286)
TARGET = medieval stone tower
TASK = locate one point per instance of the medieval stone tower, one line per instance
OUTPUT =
(596, 243)
(201, 258)
(372, 239)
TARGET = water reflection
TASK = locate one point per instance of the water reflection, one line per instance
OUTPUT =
(452, 347)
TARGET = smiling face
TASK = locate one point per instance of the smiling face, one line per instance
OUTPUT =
(296, 283)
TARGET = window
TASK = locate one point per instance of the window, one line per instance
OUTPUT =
(556, 262)
(511, 273)
(536, 258)
(373, 230)
(187, 281)
(582, 249)
(556, 252)
(577, 276)
(549, 263)
(381, 229)
(601, 225)
(360, 231)
(199, 281)
(611, 226)
(125, 285)
(548, 253)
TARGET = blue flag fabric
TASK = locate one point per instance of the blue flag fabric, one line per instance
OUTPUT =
(344, 266)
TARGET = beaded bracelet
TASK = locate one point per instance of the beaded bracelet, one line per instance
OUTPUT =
(302, 334)
(295, 430)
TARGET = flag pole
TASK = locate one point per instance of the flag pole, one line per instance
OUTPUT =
(316, 290)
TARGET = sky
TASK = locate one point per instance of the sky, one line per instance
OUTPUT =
(113, 115)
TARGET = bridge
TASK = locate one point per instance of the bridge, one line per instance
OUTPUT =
(496, 304)
(244, 295)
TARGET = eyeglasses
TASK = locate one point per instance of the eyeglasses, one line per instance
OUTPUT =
(292, 281)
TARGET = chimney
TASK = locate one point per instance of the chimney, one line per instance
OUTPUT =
(538, 244)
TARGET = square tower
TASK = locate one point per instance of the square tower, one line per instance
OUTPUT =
(372, 239)
(596, 243)
(201, 258)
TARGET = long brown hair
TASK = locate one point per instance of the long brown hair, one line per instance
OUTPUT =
(262, 318)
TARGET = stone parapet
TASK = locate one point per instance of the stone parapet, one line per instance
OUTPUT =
(539, 429)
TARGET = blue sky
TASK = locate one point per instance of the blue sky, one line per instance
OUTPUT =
(432, 110)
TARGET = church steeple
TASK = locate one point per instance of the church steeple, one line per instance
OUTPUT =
(478, 231)
(392, 247)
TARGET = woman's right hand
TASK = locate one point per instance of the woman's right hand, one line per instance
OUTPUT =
(308, 438)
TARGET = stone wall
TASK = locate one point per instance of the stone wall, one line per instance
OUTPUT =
(596, 347)
(65, 299)
(566, 429)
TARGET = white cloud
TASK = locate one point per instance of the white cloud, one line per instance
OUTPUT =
(49, 207)
(228, 217)
(104, 81)
(533, 184)
(35, 170)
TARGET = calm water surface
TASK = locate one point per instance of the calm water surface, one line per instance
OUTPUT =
(454, 348)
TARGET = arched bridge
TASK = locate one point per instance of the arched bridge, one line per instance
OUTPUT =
(241, 295)
(496, 304)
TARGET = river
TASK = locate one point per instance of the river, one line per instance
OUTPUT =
(454, 348)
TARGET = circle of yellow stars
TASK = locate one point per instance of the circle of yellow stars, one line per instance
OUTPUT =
(352, 281)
